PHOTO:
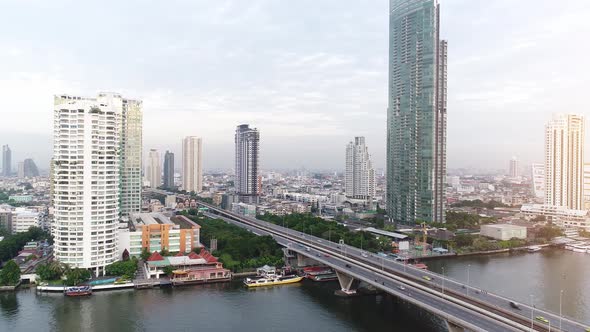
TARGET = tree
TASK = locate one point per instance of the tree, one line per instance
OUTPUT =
(124, 269)
(463, 240)
(164, 252)
(197, 250)
(145, 254)
(168, 270)
(10, 274)
(51, 271)
(76, 276)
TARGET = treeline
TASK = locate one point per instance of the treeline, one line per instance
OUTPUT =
(12, 244)
(478, 203)
(463, 220)
(237, 248)
(329, 230)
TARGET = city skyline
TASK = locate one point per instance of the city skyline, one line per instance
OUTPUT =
(511, 96)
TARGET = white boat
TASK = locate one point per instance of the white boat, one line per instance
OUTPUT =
(533, 248)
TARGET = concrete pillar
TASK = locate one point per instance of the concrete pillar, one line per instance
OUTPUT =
(348, 284)
(454, 328)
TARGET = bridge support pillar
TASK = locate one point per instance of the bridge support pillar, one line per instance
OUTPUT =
(348, 285)
(304, 260)
(454, 328)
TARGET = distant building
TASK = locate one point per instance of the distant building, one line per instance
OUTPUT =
(248, 210)
(192, 164)
(23, 219)
(360, 175)
(247, 164)
(416, 113)
(538, 174)
(558, 215)
(20, 170)
(21, 198)
(6, 220)
(587, 186)
(169, 170)
(503, 232)
(29, 169)
(6, 161)
(513, 168)
(153, 172)
(564, 161)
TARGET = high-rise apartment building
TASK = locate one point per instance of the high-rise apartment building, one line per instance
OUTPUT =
(169, 170)
(360, 175)
(20, 169)
(417, 113)
(131, 156)
(538, 174)
(247, 182)
(564, 161)
(587, 186)
(153, 170)
(6, 160)
(30, 169)
(513, 168)
(192, 164)
(86, 166)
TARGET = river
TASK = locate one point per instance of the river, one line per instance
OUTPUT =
(306, 306)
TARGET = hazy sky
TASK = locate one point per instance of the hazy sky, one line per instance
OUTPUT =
(310, 74)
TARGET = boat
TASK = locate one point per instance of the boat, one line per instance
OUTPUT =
(533, 248)
(324, 277)
(420, 266)
(78, 291)
(272, 281)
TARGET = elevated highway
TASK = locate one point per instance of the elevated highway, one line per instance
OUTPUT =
(459, 304)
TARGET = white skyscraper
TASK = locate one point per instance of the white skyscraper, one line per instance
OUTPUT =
(153, 170)
(538, 173)
(564, 161)
(513, 168)
(192, 164)
(86, 164)
(131, 156)
(587, 186)
(248, 182)
(360, 175)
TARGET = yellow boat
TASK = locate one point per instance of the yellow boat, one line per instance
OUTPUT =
(271, 281)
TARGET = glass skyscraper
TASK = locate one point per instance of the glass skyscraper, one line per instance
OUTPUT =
(417, 113)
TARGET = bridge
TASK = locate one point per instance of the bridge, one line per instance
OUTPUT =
(462, 306)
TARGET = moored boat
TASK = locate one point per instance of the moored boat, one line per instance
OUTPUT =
(272, 281)
(78, 291)
(533, 248)
(324, 277)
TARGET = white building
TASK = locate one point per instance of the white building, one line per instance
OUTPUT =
(131, 156)
(558, 215)
(564, 161)
(86, 164)
(587, 186)
(248, 182)
(538, 174)
(23, 219)
(192, 164)
(360, 175)
(513, 168)
(503, 232)
(153, 170)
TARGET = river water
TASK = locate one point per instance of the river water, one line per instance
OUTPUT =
(306, 306)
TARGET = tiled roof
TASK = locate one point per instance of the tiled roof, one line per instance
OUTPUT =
(155, 256)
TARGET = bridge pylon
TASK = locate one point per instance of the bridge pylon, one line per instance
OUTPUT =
(348, 284)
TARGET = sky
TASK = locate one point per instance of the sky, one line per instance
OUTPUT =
(309, 74)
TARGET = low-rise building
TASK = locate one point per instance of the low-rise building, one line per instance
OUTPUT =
(192, 268)
(23, 219)
(503, 231)
(157, 231)
(6, 220)
(558, 215)
(21, 198)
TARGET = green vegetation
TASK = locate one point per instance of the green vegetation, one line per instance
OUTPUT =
(548, 232)
(471, 243)
(10, 274)
(480, 204)
(239, 249)
(329, 230)
(10, 246)
(77, 276)
(145, 254)
(125, 269)
(51, 271)
(463, 220)
(168, 270)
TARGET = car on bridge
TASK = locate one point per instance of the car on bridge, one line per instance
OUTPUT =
(426, 278)
(514, 305)
(542, 319)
